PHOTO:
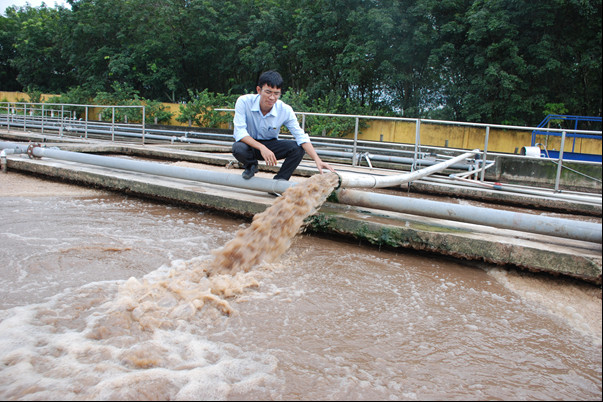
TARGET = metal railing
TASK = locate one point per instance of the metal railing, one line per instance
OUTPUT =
(58, 116)
(486, 127)
(42, 116)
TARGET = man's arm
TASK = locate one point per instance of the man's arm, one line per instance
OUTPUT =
(303, 139)
(309, 148)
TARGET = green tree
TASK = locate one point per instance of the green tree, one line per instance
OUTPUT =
(412, 79)
(330, 104)
(37, 56)
(493, 61)
(35, 95)
(156, 112)
(8, 32)
(506, 60)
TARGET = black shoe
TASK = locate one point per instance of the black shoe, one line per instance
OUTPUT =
(250, 171)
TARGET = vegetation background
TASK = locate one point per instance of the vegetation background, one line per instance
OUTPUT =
(493, 61)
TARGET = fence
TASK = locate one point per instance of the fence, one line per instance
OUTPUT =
(59, 116)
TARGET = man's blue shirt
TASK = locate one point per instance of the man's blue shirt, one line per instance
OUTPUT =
(249, 120)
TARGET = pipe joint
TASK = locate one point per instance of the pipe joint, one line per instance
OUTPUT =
(30, 150)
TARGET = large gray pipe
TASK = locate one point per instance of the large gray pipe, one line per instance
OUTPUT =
(570, 229)
(355, 180)
(158, 169)
(484, 216)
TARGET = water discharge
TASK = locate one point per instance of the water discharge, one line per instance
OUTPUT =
(184, 292)
(271, 231)
(265, 313)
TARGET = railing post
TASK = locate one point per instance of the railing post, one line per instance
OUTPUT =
(559, 165)
(417, 142)
(86, 124)
(61, 126)
(143, 123)
(8, 116)
(25, 117)
(485, 157)
(354, 159)
(42, 118)
(112, 123)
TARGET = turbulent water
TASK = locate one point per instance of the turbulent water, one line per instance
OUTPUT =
(109, 298)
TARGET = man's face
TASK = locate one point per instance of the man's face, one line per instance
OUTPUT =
(268, 97)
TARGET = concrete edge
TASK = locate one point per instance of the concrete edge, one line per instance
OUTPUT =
(444, 241)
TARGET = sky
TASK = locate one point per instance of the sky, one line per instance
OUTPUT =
(32, 3)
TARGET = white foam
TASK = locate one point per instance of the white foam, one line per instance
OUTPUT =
(72, 347)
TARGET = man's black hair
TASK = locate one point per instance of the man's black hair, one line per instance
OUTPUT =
(272, 78)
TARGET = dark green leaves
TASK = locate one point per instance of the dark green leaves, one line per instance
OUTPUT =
(495, 61)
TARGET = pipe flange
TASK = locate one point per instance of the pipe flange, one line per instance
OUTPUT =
(30, 149)
(339, 181)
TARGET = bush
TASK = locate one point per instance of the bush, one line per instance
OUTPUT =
(122, 95)
(331, 104)
(200, 109)
(76, 95)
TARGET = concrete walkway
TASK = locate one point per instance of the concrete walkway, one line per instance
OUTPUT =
(381, 228)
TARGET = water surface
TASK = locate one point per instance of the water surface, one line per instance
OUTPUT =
(328, 320)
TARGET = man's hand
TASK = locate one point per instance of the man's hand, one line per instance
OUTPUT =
(309, 148)
(323, 165)
(268, 156)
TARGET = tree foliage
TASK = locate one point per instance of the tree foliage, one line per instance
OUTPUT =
(494, 61)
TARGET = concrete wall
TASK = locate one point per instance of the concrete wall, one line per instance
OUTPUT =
(465, 137)
(576, 176)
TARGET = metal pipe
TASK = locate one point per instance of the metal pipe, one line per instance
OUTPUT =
(370, 181)
(417, 142)
(355, 141)
(565, 228)
(206, 176)
(143, 123)
(42, 131)
(514, 189)
(3, 154)
(13, 147)
(62, 121)
(113, 124)
(365, 181)
(421, 161)
(383, 158)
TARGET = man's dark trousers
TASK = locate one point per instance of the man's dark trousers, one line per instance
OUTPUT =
(283, 149)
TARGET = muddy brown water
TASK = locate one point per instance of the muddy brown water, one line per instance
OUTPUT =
(107, 297)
